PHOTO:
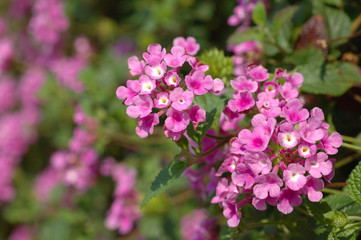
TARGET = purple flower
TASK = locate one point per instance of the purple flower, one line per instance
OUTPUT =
(232, 212)
(288, 136)
(218, 86)
(258, 73)
(176, 136)
(154, 55)
(198, 226)
(288, 91)
(242, 84)
(199, 84)
(147, 85)
(311, 187)
(260, 204)
(294, 176)
(181, 100)
(172, 79)
(318, 165)
(241, 102)
(296, 80)
(258, 161)
(162, 100)
(268, 124)
(293, 111)
(243, 176)
(306, 149)
(142, 106)
(255, 141)
(267, 185)
(268, 105)
(189, 44)
(287, 200)
(136, 67)
(7, 94)
(156, 71)
(331, 143)
(311, 130)
(176, 121)
(271, 87)
(177, 58)
(128, 93)
(146, 125)
(197, 115)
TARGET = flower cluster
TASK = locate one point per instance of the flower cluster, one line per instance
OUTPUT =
(245, 53)
(124, 211)
(198, 225)
(284, 152)
(161, 91)
(242, 13)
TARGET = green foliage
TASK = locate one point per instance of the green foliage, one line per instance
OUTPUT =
(220, 66)
(259, 14)
(166, 177)
(251, 33)
(354, 184)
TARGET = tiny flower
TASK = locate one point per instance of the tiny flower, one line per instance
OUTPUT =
(243, 176)
(199, 84)
(268, 105)
(260, 204)
(293, 111)
(154, 55)
(255, 141)
(271, 87)
(172, 79)
(331, 143)
(147, 85)
(287, 200)
(242, 84)
(258, 73)
(288, 91)
(189, 44)
(129, 92)
(311, 187)
(294, 176)
(268, 124)
(241, 102)
(258, 161)
(232, 213)
(143, 106)
(176, 121)
(197, 115)
(156, 71)
(136, 67)
(306, 149)
(176, 136)
(181, 100)
(218, 86)
(177, 58)
(288, 136)
(318, 165)
(162, 100)
(296, 80)
(311, 130)
(267, 185)
(146, 125)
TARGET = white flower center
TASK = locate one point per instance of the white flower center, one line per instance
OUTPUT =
(147, 86)
(289, 139)
(163, 101)
(294, 176)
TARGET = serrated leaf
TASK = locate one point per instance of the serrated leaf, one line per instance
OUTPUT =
(338, 218)
(342, 202)
(166, 177)
(249, 34)
(283, 18)
(259, 14)
(354, 184)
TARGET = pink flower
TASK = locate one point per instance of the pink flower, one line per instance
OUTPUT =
(287, 200)
(241, 102)
(255, 141)
(268, 124)
(258, 161)
(6, 53)
(229, 125)
(311, 187)
(288, 136)
(143, 106)
(154, 55)
(288, 91)
(156, 71)
(258, 73)
(128, 93)
(176, 136)
(294, 176)
(232, 213)
(162, 100)
(271, 87)
(268, 105)
(243, 176)
(199, 84)
(136, 67)
(172, 79)
(293, 111)
(189, 44)
(242, 84)
(296, 80)
(176, 121)
(306, 149)
(331, 143)
(318, 165)
(7, 94)
(177, 58)
(197, 115)
(218, 86)
(146, 125)
(198, 225)
(181, 100)
(311, 130)
(147, 85)
(267, 185)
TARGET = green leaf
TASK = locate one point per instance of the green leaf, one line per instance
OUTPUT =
(283, 18)
(354, 184)
(319, 210)
(338, 218)
(342, 202)
(259, 15)
(333, 2)
(249, 34)
(56, 229)
(338, 23)
(166, 177)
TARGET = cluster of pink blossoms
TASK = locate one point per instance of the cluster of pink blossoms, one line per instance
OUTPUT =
(124, 211)
(284, 153)
(160, 89)
(242, 13)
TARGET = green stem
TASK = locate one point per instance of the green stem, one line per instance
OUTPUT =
(346, 160)
(328, 190)
(351, 139)
(266, 222)
(350, 146)
(352, 225)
